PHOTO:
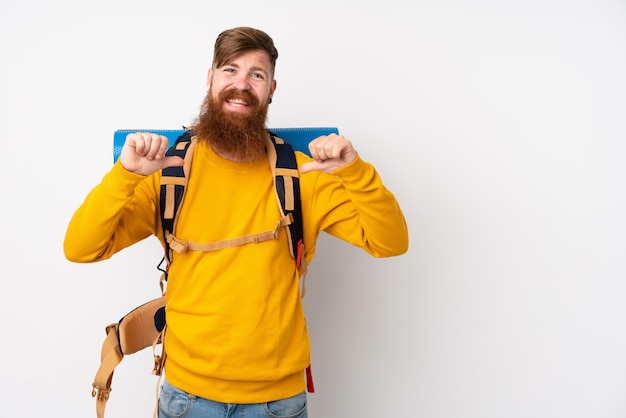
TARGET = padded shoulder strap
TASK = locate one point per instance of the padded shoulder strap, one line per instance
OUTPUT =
(173, 185)
(287, 183)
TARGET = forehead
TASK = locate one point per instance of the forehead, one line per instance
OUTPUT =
(251, 58)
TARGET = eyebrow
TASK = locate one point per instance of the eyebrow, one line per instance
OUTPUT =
(252, 69)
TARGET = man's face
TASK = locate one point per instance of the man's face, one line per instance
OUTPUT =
(246, 75)
(235, 108)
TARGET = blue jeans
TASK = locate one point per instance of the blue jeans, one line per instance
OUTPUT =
(175, 403)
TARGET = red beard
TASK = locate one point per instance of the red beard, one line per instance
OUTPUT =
(235, 136)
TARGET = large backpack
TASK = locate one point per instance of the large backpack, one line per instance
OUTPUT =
(145, 325)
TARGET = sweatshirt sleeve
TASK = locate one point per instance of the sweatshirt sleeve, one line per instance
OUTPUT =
(117, 213)
(353, 204)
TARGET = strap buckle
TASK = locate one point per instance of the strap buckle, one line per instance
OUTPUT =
(177, 245)
(101, 394)
(282, 222)
(276, 230)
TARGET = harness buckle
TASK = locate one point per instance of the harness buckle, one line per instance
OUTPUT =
(101, 394)
(279, 224)
(158, 365)
(181, 247)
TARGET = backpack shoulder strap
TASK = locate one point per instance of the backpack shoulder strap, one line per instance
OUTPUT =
(287, 184)
(173, 185)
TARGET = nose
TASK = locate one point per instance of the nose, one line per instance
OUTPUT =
(242, 82)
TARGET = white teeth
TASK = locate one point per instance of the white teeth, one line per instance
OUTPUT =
(235, 101)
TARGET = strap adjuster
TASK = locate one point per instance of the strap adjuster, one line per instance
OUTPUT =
(101, 394)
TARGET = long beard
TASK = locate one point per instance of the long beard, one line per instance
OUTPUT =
(236, 136)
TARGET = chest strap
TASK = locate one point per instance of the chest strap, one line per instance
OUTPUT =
(181, 246)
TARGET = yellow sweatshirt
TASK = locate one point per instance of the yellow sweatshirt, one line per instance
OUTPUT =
(236, 328)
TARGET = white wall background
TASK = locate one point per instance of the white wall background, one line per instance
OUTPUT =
(499, 125)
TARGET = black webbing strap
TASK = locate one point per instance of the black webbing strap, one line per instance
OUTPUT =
(173, 184)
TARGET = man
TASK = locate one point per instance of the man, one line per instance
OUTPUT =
(236, 334)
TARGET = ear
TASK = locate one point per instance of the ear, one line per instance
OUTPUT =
(209, 77)
(272, 88)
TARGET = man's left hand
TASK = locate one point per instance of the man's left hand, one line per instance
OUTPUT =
(330, 153)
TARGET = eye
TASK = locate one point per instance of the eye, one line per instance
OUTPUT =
(258, 76)
(229, 70)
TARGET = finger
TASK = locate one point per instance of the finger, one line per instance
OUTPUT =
(173, 161)
(317, 148)
(152, 147)
(147, 143)
(328, 147)
(163, 147)
(308, 167)
(158, 146)
(333, 149)
(136, 142)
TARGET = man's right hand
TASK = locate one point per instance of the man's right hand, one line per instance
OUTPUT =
(144, 153)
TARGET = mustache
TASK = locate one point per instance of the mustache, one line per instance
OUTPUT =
(236, 94)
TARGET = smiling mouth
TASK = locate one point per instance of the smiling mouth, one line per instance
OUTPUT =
(237, 102)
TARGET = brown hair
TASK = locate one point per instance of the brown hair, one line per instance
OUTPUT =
(233, 42)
